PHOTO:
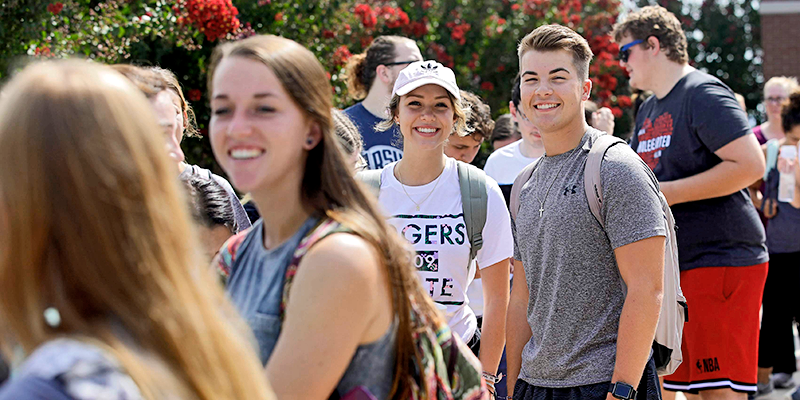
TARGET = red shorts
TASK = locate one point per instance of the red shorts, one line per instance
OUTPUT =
(720, 340)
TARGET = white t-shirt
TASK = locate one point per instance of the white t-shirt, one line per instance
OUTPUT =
(506, 163)
(439, 235)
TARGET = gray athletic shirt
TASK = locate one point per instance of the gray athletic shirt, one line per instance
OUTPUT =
(574, 283)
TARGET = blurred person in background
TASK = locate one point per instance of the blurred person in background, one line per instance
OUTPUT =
(176, 117)
(370, 76)
(505, 132)
(479, 126)
(114, 301)
(212, 213)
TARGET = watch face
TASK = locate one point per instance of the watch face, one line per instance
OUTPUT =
(622, 392)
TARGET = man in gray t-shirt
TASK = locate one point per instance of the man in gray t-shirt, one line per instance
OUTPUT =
(585, 305)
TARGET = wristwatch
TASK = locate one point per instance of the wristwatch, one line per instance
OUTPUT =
(622, 390)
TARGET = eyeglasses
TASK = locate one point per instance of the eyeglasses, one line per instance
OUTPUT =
(399, 63)
(776, 100)
(625, 51)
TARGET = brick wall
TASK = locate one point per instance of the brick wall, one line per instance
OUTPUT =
(780, 40)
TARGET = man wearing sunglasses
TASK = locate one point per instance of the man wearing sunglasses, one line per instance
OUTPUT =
(697, 140)
(371, 76)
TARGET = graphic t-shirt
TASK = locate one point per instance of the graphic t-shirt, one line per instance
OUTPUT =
(439, 235)
(505, 164)
(677, 137)
(380, 147)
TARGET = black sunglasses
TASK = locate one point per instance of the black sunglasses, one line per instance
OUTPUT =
(625, 51)
(399, 63)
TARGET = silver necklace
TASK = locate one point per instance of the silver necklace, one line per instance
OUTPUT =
(426, 197)
(547, 192)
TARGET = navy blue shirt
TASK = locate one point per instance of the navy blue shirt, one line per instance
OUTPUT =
(380, 147)
(677, 137)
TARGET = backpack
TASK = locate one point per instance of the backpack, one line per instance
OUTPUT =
(674, 310)
(450, 370)
(474, 199)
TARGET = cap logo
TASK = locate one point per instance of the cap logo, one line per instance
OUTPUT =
(429, 67)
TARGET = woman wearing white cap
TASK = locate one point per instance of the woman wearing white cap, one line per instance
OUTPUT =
(422, 196)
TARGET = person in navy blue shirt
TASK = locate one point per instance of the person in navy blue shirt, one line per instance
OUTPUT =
(371, 76)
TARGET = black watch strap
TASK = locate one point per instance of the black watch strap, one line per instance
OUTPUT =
(622, 390)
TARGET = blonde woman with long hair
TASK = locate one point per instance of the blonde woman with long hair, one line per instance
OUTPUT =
(99, 281)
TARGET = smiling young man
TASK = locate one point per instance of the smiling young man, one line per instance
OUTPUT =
(585, 302)
(697, 140)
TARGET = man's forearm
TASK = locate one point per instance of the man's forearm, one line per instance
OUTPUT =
(723, 179)
(637, 327)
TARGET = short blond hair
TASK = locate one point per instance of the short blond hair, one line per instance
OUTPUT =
(789, 83)
(556, 37)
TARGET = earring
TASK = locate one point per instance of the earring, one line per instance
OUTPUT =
(309, 141)
(52, 317)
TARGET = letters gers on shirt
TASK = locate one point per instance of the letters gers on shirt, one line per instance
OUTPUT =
(654, 137)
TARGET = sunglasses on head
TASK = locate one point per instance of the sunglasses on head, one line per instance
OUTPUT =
(625, 51)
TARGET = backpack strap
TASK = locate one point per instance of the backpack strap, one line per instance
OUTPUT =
(523, 177)
(474, 202)
(372, 178)
(323, 229)
(227, 255)
(592, 182)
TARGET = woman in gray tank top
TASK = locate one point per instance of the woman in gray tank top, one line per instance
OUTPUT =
(344, 325)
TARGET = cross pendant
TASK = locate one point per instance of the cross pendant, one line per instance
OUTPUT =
(417, 208)
(541, 211)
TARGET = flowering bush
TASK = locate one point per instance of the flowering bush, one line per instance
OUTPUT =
(477, 38)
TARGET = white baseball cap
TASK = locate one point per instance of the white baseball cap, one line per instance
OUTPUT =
(420, 73)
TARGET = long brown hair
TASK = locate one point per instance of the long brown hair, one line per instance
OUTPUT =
(91, 207)
(329, 187)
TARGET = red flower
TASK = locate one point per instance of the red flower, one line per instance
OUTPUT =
(278, 16)
(395, 18)
(459, 32)
(347, 27)
(341, 54)
(55, 8)
(471, 65)
(427, 4)
(515, 7)
(43, 51)
(575, 19)
(215, 18)
(195, 95)
(501, 21)
(501, 68)
(617, 112)
(624, 101)
(488, 86)
(327, 34)
(417, 28)
(367, 15)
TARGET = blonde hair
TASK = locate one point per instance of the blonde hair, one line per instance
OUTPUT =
(789, 83)
(329, 188)
(460, 112)
(92, 209)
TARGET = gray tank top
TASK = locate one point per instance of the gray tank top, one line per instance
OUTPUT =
(255, 286)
